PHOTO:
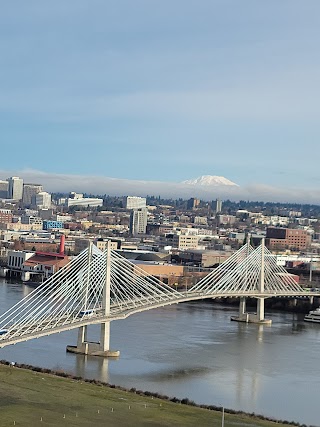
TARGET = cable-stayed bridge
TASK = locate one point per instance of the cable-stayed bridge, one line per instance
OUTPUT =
(97, 287)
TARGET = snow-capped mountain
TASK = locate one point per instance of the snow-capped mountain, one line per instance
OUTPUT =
(209, 180)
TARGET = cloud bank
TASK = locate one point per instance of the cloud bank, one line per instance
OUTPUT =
(100, 185)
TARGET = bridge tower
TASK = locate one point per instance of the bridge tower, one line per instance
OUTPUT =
(260, 301)
(101, 348)
(242, 304)
(258, 317)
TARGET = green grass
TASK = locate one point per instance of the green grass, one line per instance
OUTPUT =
(29, 398)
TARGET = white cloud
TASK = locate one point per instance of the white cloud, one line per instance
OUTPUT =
(122, 187)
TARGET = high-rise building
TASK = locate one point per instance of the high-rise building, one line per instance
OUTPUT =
(218, 206)
(15, 188)
(4, 185)
(134, 202)
(42, 200)
(193, 203)
(30, 190)
(138, 221)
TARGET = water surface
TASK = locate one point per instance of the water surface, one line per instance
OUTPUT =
(193, 350)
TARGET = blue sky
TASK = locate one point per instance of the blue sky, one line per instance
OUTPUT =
(162, 90)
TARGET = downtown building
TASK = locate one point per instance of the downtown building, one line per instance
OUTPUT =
(134, 202)
(77, 199)
(287, 238)
(15, 188)
(42, 200)
(138, 221)
(29, 191)
(4, 186)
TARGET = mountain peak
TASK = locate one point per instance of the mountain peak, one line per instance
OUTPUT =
(209, 180)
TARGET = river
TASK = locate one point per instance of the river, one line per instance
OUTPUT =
(193, 350)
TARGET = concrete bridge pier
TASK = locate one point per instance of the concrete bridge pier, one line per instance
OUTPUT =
(243, 315)
(242, 306)
(246, 317)
(82, 337)
(92, 348)
(104, 344)
(260, 313)
(260, 309)
(101, 348)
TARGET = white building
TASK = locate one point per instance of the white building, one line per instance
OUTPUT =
(134, 202)
(42, 200)
(182, 241)
(17, 258)
(15, 188)
(85, 202)
(77, 199)
(218, 207)
(63, 218)
(226, 219)
(200, 220)
(30, 190)
(138, 221)
(75, 196)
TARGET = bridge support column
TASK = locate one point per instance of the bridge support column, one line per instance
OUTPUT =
(105, 337)
(260, 309)
(243, 315)
(259, 317)
(242, 306)
(101, 348)
(82, 338)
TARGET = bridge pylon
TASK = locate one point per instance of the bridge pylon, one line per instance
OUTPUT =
(259, 316)
(101, 348)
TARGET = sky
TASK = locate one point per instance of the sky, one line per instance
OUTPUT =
(162, 90)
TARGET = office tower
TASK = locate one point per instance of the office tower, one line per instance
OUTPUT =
(138, 221)
(4, 185)
(218, 207)
(30, 190)
(193, 203)
(15, 188)
(42, 200)
(134, 202)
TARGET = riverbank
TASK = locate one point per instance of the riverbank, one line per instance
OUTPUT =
(36, 396)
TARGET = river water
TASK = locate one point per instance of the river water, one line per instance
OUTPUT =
(193, 350)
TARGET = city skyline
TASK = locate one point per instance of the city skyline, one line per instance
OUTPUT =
(100, 185)
(162, 92)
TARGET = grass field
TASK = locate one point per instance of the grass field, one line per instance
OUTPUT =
(29, 398)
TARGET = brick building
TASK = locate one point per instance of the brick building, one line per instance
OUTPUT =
(5, 216)
(287, 238)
